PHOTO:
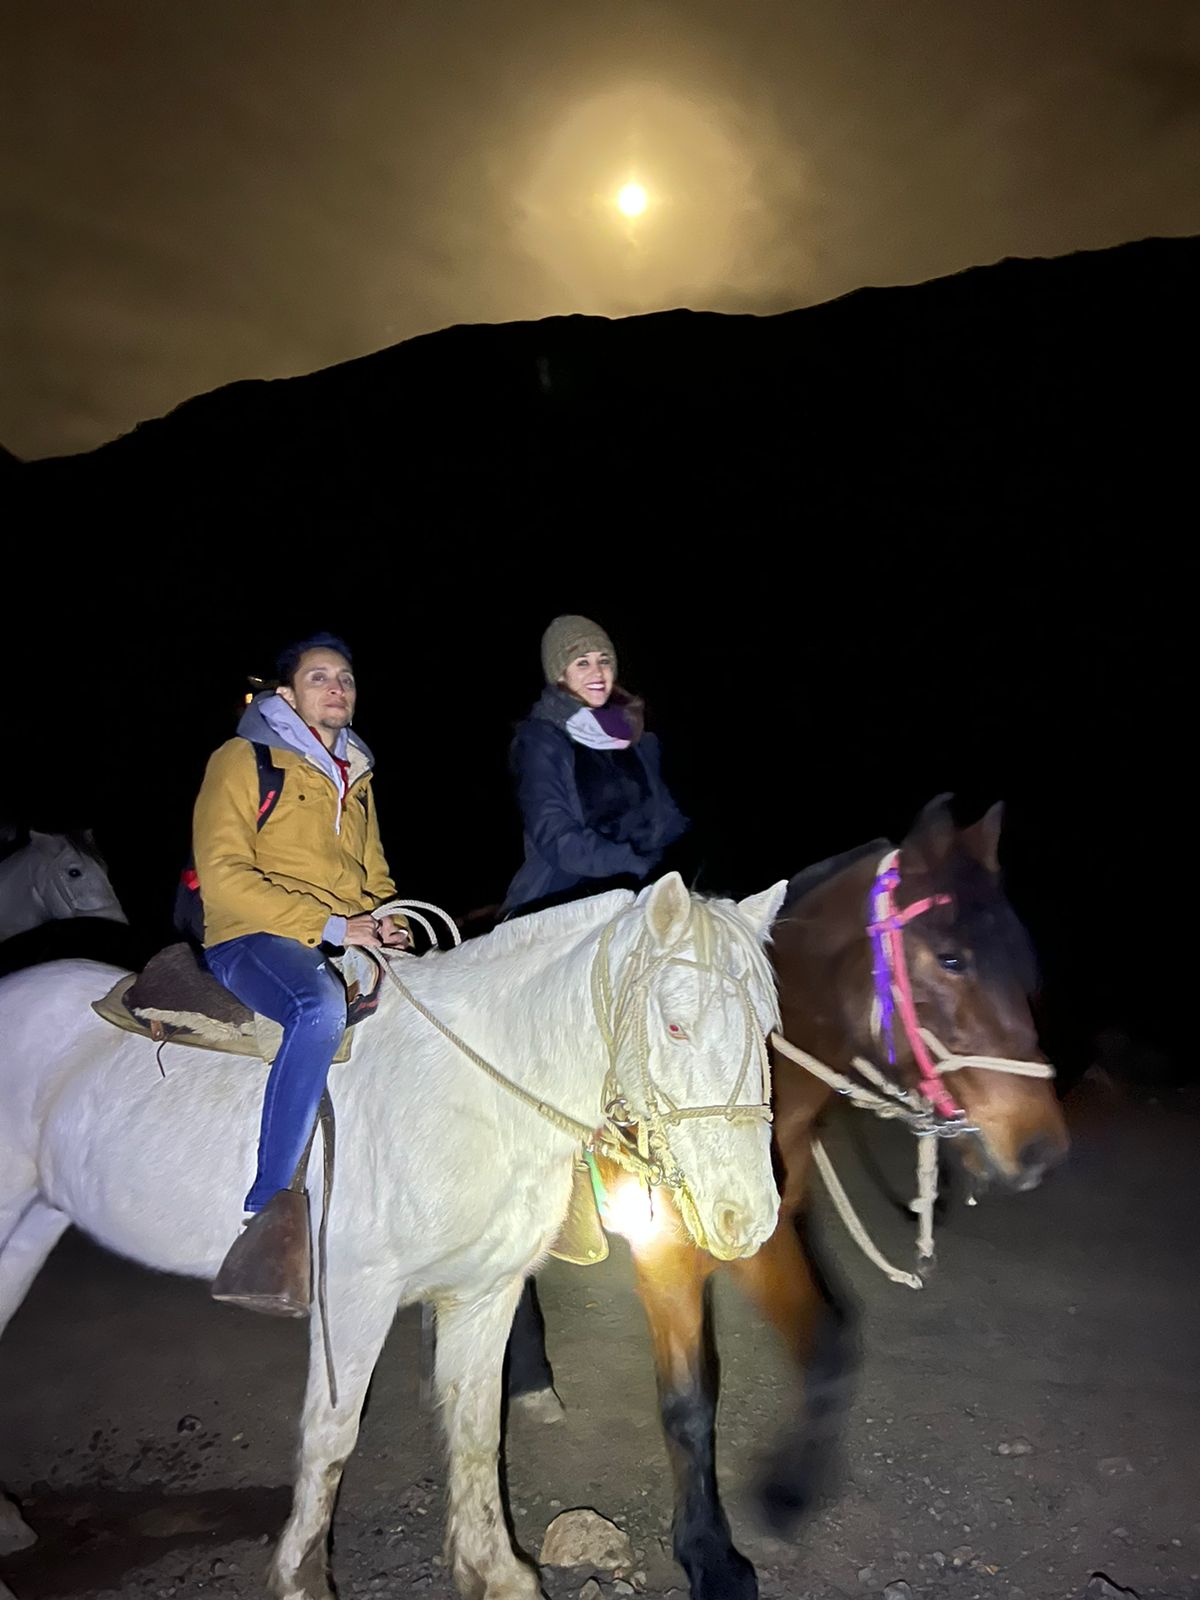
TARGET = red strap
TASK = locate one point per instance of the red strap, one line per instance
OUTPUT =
(892, 925)
(342, 766)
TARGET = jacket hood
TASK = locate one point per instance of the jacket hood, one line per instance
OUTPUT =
(268, 719)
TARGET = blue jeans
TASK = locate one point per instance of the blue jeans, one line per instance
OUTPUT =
(293, 985)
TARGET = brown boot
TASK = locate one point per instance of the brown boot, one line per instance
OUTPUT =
(269, 1265)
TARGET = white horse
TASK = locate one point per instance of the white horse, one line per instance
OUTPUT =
(449, 1188)
(52, 878)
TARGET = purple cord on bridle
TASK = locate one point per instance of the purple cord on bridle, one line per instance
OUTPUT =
(881, 890)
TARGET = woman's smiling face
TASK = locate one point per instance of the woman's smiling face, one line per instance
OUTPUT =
(590, 678)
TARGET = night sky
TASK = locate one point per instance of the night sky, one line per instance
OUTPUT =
(199, 193)
(209, 193)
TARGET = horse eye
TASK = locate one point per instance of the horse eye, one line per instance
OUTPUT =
(676, 1031)
(952, 962)
(74, 872)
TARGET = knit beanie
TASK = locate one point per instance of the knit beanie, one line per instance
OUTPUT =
(568, 638)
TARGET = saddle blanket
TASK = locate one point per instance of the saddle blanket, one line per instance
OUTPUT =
(177, 999)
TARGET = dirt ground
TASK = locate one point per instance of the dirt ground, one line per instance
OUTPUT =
(1029, 1420)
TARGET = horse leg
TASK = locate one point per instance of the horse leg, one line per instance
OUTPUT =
(30, 1229)
(361, 1309)
(529, 1376)
(470, 1353)
(785, 1284)
(673, 1284)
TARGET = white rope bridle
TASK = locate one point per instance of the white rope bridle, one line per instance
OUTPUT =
(891, 1101)
(622, 1016)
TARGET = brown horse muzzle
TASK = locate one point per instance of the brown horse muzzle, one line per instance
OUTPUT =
(1036, 1158)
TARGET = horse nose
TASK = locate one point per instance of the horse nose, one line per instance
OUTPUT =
(731, 1224)
(1036, 1157)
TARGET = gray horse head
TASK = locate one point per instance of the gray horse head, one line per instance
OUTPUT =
(52, 878)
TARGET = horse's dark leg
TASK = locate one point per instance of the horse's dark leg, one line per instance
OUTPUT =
(529, 1378)
(789, 1288)
(673, 1283)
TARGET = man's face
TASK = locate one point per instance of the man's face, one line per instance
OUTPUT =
(323, 691)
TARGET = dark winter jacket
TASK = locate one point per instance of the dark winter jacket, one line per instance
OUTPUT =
(590, 816)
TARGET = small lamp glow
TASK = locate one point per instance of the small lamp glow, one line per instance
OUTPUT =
(629, 1209)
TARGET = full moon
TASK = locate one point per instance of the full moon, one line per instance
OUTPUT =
(631, 200)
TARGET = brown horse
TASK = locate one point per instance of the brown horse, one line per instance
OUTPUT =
(971, 973)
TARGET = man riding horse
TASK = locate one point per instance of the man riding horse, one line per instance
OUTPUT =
(288, 876)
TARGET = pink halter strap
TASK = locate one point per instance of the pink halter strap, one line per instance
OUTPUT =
(893, 988)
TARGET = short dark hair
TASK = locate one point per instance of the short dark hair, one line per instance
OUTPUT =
(290, 657)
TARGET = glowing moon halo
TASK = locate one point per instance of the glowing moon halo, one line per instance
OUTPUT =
(632, 200)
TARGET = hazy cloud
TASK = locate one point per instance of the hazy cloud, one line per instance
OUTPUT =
(196, 194)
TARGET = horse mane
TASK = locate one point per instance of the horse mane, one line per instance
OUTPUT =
(982, 911)
(547, 927)
(13, 838)
(83, 840)
(713, 928)
(810, 878)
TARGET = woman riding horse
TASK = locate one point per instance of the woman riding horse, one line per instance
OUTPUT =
(595, 809)
(596, 815)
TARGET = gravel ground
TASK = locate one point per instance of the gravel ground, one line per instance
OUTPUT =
(1027, 1421)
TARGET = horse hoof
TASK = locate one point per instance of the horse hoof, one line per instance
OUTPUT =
(540, 1405)
(783, 1505)
(15, 1532)
(725, 1576)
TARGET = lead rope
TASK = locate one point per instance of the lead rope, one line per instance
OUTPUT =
(327, 1120)
(895, 1103)
(610, 1143)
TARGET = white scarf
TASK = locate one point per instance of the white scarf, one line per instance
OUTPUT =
(585, 730)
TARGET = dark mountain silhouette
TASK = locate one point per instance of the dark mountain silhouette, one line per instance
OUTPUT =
(922, 538)
(1028, 388)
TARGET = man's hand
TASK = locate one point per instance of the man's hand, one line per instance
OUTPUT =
(395, 938)
(364, 930)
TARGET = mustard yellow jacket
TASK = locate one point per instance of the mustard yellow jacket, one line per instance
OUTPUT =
(313, 859)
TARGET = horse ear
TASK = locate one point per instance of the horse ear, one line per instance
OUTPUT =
(932, 835)
(982, 838)
(668, 910)
(760, 910)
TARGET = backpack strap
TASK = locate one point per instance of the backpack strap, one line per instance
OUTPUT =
(270, 782)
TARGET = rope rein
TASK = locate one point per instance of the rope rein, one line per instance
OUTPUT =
(622, 1017)
(929, 1112)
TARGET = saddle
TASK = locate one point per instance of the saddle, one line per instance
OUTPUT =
(176, 999)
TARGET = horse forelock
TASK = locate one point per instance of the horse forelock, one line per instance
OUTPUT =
(721, 942)
(52, 845)
(981, 917)
(85, 844)
(988, 922)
